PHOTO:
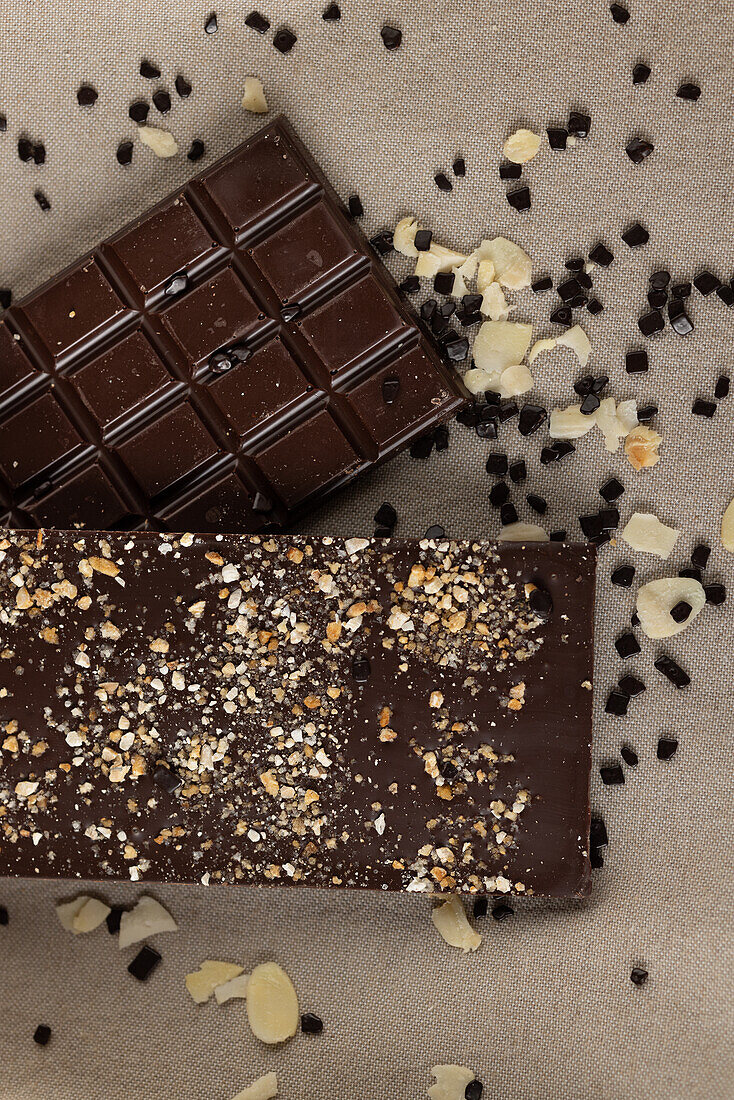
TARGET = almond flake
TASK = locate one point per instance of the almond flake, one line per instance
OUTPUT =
(453, 926)
(727, 528)
(201, 983)
(523, 532)
(451, 1082)
(254, 97)
(511, 265)
(501, 344)
(656, 600)
(521, 146)
(234, 988)
(160, 142)
(641, 447)
(403, 239)
(646, 533)
(104, 565)
(89, 916)
(148, 918)
(272, 1004)
(265, 1088)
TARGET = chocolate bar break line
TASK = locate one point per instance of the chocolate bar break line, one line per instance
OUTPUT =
(222, 363)
(392, 714)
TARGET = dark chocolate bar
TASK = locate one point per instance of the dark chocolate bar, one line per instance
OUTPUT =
(222, 363)
(390, 714)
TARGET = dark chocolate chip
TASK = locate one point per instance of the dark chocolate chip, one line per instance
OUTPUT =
(706, 282)
(447, 309)
(459, 167)
(496, 464)
(637, 149)
(702, 407)
(25, 150)
(474, 1089)
(667, 747)
(411, 284)
(646, 413)
(583, 385)
(481, 905)
(162, 102)
(557, 536)
(722, 387)
(39, 153)
(568, 289)
(598, 836)
(144, 963)
(541, 285)
(531, 418)
(640, 73)
(177, 284)
(609, 518)
(149, 71)
(659, 279)
(41, 1035)
(257, 22)
(3, 124)
(680, 322)
(435, 531)
(622, 578)
(681, 611)
(518, 471)
(471, 302)
(690, 572)
(332, 13)
(441, 437)
(725, 294)
(442, 181)
(557, 137)
(657, 298)
(519, 199)
(591, 525)
(421, 448)
(626, 645)
(138, 111)
(428, 308)
(690, 92)
(310, 1023)
(631, 686)
(576, 263)
(681, 290)
(86, 95)
(499, 494)
(510, 171)
(196, 150)
(423, 239)
(635, 236)
(382, 243)
(6, 297)
(508, 514)
(42, 200)
(700, 555)
(590, 404)
(284, 40)
(167, 779)
(619, 14)
(601, 255)
(596, 859)
(211, 26)
(486, 429)
(391, 37)
(563, 447)
(715, 593)
(612, 490)
(443, 282)
(579, 124)
(124, 152)
(672, 670)
(636, 362)
(457, 350)
(651, 323)
(382, 532)
(361, 669)
(538, 504)
(617, 703)
(629, 756)
(547, 456)
(611, 774)
(638, 975)
(562, 316)
(183, 88)
(113, 918)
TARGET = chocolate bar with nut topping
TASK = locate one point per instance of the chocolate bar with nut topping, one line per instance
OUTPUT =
(221, 364)
(383, 713)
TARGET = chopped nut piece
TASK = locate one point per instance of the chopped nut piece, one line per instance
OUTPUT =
(451, 1082)
(646, 533)
(66, 911)
(104, 565)
(515, 381)
(615, 423)
(436, 699)
(26, 788)
(254, 97)
(453, 926)
(161, 142)
(641, 447)
(657, 599)
(501, 344)
(234, 988)
(570, 423)
(521, 146)
(522, 532)
(494, 304)
(265, 1088)
(579, 343)
(89, 916)
(148, 918)
(272, 1004)
(201, 983)
(511, 265)
(727, 529)
(403, 239)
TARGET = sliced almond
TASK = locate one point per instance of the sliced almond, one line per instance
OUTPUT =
(161, 142)
(521, 146)
(451, 1082)
(485, 275)
(479, 381)
(438, 258)
(201, 983)
(501, 344)
(656, 600)
(468, 269)
(459, 288)
(254, 96)
(272, 1004)
(570, 423)
(494, 304)
(67, 910)
(234, 988)
(93, 913)
(148, 918)
(512, 265)
(646, 533)
(515, 380)
(641, 447)
(579, 343)
(453, 926)
(265, 1088)
(727, 528)
(403, 239)
(615, 422)
(540, 346)
(523, 532)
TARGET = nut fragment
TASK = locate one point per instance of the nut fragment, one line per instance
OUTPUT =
(569, 423)
(403, 239)
(645, 532)
(161, 142)
(727, 528)
(26, 788)
(511, 265)
(201, 983)
(523, 532)
(254, 97)
(67, 911)
(265, 1088)
(234, 988)
(148, 918)
(641, 447)
(453, 926)
(615, 423)
(451, 1082)
(579, 343)
(515, 380)
(91, 914)
(657, 599)
(272, 1004)
(494, 304)
(501, 344)
(521, 146)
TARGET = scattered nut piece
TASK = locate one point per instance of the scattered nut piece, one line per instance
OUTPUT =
(641, 447)
(540, 346)
(615, 423)
(201, 983)
(494, 304)
(501, 344)
(512, 267)
(403, 239)
(438, 258)
(521, 146)
(645, 532)
(265, 1088)
(67, 910)
(104, 565)
(254, 97)
(570, 423)
(272, 1004)
(148, 918)
(235, 987)
(727, 528)
(515, 380)
(451, 1082)
(657, 599)
(579, 343)
(453, 926)
(161, 142)
(26, 788)
(91, 914)
(523, 532)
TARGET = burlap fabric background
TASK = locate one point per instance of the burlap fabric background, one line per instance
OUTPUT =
(545, 1009)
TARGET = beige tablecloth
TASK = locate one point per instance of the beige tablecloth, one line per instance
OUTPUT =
(545, 1008)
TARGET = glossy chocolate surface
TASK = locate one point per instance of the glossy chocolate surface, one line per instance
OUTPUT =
(231, 342)
(391, 714)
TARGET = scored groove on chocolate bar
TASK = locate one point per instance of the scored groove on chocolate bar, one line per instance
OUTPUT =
(114, 409)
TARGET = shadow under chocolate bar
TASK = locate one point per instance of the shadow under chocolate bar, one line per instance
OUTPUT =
(223, 363)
